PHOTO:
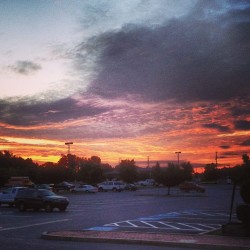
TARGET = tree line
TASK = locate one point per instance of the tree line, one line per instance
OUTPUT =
(92, 170)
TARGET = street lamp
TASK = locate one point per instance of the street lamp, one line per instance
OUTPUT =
(68, 144)
(178, 157)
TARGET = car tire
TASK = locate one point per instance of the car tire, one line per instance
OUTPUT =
(48, 208)
(100, 189)
(114, 189)
(21, 207)
(62, 209)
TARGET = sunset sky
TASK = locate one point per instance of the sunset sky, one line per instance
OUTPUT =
(127, 79)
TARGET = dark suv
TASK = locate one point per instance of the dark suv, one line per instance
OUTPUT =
(40, 199)
(63, 186)
(191, 186)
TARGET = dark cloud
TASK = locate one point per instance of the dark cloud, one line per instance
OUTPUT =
(241, 109)
(245, 143)
(24, 112)
(25, 67)
(217, 127)
(229, 154)
(242, 125)
(225, 146)
(202, 56)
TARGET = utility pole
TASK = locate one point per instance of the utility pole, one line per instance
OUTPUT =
(68, 144)
(216, 159)
(178, 157)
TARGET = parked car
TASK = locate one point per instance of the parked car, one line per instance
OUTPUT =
(33, 198)
(63, 186)
(111, 186)
(130, 187)
(191, 186)
(43, 186)
(85, 189)
(8, 195)
(147, 182)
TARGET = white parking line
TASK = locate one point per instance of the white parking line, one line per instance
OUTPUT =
(189, 226)
(217, 225)
(203, 225)
(32, 225)
(132, 224)
(168, 225)
(209, 214)
(148, 224)
(190, 213)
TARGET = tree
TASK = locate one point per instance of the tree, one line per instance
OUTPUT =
(245, 187)
(95, 160)
(211, 172)
(243, 210)
(128, 171)
(171, 176)
(187, 171)
(246, 167)
(157, 173)
(90, 170)
(11, 165)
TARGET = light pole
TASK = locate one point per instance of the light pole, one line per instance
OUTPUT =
(216, 159)
(68, 144)
(178, 157)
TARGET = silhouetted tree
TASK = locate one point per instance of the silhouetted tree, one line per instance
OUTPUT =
(90, 171)
(187, 171)
(171, 176)
(211, 172)
(157, 173)
(245, 187)
(96, 160)
(127, 171)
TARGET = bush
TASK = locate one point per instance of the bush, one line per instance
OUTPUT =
(243, 213)
(245, 192)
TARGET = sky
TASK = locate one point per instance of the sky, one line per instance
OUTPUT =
(130, 79)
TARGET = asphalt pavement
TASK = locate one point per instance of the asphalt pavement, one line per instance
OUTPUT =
(191, 228)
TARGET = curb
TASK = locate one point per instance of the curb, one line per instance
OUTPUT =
(156, 239)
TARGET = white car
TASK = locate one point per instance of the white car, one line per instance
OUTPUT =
(111, 186)
(8, 195)
(85, 188)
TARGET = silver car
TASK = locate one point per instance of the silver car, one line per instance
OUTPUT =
(8, 195)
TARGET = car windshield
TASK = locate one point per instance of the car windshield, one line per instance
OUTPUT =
(46, 192)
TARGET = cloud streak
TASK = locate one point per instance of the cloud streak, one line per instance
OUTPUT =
(25, 67)
(29, 113)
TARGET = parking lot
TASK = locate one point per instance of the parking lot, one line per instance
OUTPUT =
(147, 210)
